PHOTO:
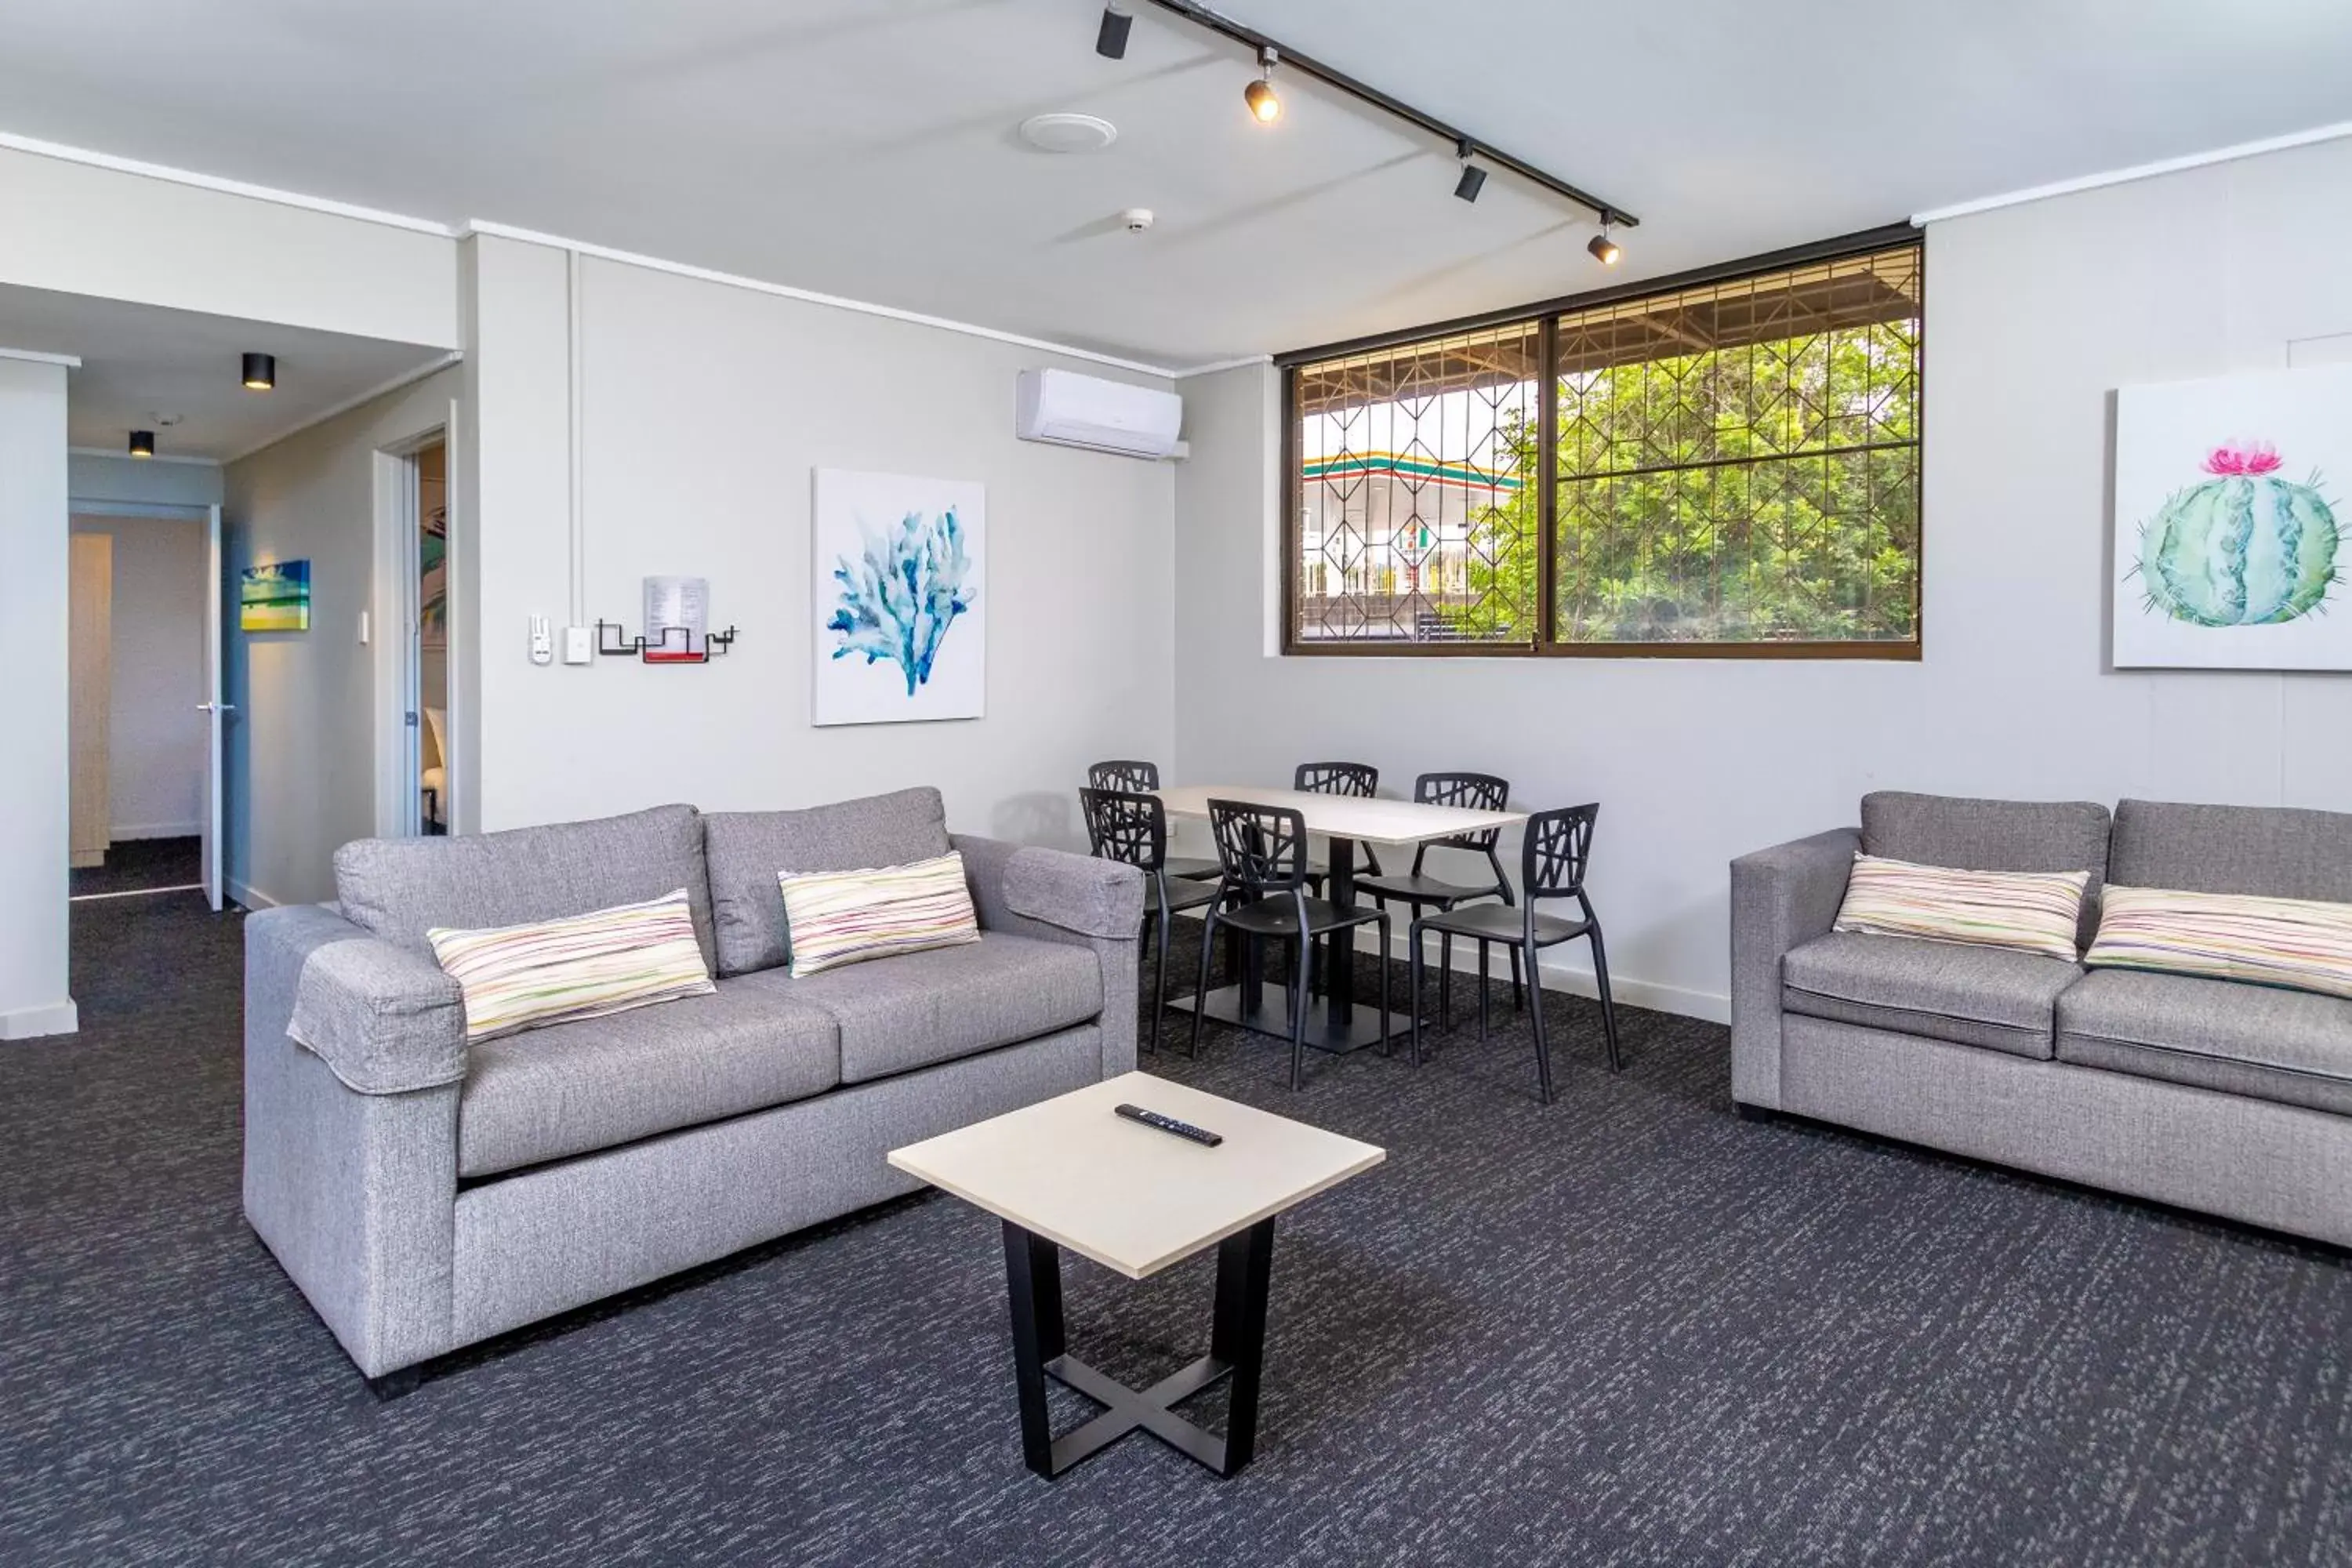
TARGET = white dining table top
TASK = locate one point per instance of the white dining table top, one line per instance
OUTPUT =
(1346, 816)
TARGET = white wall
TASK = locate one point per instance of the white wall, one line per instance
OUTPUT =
(79, 229)
(155, 737)
(302, 748)
(707, 407)
(32, 781)
(123, 481)
(2034, 314)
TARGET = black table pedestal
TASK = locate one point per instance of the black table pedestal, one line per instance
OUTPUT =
(1033, 1270)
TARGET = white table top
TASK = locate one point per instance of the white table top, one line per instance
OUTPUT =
(1131, 1197)
(1347, 816)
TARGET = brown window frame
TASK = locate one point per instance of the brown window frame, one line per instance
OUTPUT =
(1544, 318)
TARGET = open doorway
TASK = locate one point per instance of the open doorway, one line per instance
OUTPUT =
(433, 636)
(138, 752)
(421, 785)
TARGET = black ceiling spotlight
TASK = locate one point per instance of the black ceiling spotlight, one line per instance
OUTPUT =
(1111, 39)
(1473, 178)
(1604, 249)
(143, 443)
(1266, 108)
(260, 371)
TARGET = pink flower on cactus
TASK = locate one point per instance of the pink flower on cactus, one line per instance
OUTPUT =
(2245, 458)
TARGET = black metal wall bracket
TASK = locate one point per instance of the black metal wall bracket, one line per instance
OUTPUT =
(612, 641)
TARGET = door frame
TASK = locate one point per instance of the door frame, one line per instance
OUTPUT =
(393, 635)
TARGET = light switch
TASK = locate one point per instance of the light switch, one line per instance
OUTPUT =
(363, 628)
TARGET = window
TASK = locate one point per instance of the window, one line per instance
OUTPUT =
(1723, 466)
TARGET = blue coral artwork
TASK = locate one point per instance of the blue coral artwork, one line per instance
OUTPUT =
(900, 611)
(2227, 549)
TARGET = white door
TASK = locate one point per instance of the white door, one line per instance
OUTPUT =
(216, 711)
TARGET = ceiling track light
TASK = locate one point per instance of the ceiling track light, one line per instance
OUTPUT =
(1265, 104)
(1473, 178)
(260, 371)
(143, 443)
(1266, 108)
(1604, 249)
(1111, 38)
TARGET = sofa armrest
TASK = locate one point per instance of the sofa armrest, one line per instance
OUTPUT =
(1056, 896)
(383, 1018)
(1781, 899)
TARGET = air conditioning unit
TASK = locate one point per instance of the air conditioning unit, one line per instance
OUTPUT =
(1072, 410)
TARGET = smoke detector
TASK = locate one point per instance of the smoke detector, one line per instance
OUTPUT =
(1068, 133)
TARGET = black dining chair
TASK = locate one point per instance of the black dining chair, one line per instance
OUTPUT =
(1360, 780)
(1264, 851)
(1552, 862)
(1132, 828)
(1143, 778)
(1476, 792)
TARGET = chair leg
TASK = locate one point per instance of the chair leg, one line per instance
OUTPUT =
(1298, 1017)
(1446, 979)
(1201, 991)
(1158, 981)
(1388, 1047)
(1608, 1008)
(1482, 990)
(1543, 1046)
(1518, 994)
(1412, 989)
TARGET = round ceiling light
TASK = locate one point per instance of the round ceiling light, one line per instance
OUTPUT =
(1068, 133)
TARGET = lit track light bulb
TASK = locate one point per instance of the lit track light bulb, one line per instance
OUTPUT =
(1264, 106)
(1604, 249)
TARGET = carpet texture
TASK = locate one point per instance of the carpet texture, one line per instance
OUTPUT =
(136, 865)
(1630, 1329)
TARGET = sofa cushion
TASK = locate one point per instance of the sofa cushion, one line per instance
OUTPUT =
(748, 849)
(1989, 996)
(572, 1088)
(1975, 834)
(398, 888)
(2275, 851)
(2290, 1047)
(922, 1009)
(2030, 911)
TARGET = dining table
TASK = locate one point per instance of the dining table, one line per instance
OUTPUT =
(1334, 1022)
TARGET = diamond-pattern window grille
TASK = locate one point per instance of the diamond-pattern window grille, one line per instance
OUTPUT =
(1735, 465)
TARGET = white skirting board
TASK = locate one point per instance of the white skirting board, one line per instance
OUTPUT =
(251, 897)
(31, 1023)
(1574, 979)
(156, 830)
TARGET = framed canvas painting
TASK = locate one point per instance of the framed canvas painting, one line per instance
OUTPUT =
(2227, 549)
(900, 580)
(275, 597)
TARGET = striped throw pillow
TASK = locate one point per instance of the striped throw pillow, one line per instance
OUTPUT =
(554, 972)
(2300, 943)
(2034, 912)
(834, 918)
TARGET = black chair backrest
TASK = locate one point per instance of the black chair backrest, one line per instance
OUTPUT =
(1477, 792)
(1336, 778)
(1125, 826)
(1558, 848)
(1136, 776)
(1261, 848)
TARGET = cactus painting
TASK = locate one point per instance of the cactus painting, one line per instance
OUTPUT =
(2224, 557)
(2242, 547)
(896, 573)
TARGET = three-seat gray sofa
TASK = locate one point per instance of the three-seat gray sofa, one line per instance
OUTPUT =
(425, 1196)
(2231, 1099)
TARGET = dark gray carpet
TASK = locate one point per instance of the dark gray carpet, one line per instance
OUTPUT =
(1630, 1329)
(136, 865)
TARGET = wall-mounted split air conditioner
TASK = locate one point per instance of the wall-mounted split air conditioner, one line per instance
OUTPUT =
(1073, 410)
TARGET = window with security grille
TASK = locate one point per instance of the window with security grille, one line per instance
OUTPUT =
(1724, 466)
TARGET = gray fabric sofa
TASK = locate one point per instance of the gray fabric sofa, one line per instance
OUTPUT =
(2230, 1098)
(424, 1196)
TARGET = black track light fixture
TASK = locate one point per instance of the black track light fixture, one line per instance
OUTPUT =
(260, 371)
(1111, 38)
(143, 443)
(1604, 249)
(1473, 178)
(1265, 105)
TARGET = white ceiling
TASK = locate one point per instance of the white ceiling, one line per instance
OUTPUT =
(866, 147)
(141, 363)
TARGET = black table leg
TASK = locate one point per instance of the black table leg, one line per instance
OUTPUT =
(1339, 956)
(1032, 1268)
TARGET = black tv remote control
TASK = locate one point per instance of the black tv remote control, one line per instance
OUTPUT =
(1169, 1124)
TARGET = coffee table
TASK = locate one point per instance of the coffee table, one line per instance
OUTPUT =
(1069, 1172)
